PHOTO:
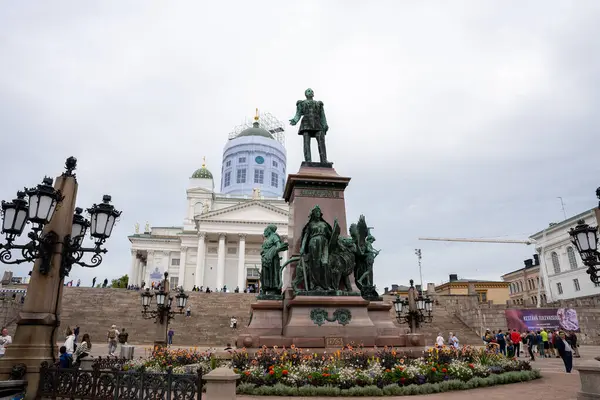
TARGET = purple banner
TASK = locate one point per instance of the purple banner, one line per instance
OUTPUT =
(542, 318)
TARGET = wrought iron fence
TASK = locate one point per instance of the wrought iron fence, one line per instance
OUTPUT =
(98, 384)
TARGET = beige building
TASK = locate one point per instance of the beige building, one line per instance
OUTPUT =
(525, 284)
(487, 291)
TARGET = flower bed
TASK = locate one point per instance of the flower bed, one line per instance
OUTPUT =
(350, 371)
(179, 360)
(385, 371)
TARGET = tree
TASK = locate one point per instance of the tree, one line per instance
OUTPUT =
(120, 283)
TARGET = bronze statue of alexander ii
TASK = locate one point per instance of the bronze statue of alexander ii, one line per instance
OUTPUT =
(313, 125)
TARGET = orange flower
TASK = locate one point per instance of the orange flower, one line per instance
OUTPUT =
(444, 370)
(433, 369)
(284, 372)
(247, 373)
(271, 372)
(388, 370)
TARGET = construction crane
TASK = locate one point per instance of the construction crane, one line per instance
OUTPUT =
(509, 241)
(528, 241)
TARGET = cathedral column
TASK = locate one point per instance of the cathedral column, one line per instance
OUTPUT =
(182, 261)
(140, 272)
(221, 262)
(133, 271)
(241, 278)
(200, 259)
(149, 267)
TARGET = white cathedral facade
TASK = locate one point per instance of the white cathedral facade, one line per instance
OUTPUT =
(219, 244)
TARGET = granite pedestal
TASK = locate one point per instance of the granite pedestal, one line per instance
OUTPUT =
(319, 321)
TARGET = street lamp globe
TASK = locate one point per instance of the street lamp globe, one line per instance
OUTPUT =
(420, 303)
(14, 215)
(398, 305)
(181, 299)
(103, 217)
(79, 227)
(585, 238)
(428, 305)
(42, 202)
(146, 298)
(161, 297)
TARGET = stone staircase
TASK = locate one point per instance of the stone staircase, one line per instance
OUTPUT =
(444, 322)
(95, 310)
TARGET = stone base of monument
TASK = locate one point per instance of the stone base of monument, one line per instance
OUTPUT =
(266, 325)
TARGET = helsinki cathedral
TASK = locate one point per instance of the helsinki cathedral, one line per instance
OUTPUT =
(218, 244)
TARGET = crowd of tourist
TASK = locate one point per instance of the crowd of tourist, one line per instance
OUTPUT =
(543, 343)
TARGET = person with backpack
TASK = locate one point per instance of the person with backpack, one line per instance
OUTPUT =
(501, 340)
(113, 334)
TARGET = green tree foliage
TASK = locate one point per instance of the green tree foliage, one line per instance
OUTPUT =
(120, 283)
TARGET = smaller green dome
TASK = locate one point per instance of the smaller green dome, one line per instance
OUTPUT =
(203, 172)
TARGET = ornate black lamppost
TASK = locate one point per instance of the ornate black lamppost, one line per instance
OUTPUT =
(55, 244)
(585, 239)
(414, 310)
(39, 210)
(164, 309)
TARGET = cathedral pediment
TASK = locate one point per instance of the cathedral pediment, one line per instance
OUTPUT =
(253, 211)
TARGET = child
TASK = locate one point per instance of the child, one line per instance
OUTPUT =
(65, 360)
(510, 349)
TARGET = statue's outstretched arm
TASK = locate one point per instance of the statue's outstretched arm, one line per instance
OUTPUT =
(298, 115)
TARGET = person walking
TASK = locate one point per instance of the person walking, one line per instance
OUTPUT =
(564, 351)
(545, 344)
(515, 337)
(112, 336)
(530, 339)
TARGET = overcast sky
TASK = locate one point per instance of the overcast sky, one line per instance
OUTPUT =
(454, 119)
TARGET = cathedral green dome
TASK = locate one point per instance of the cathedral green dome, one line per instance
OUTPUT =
(256, 130)
(203, 172)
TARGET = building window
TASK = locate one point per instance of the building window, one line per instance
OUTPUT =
(227, 179)
(231, 250)
(572, 258)
(252, 273)
(559, 288)
(174, 281)
(274, 179)
(228, 163)
(576, 284)
(259, 176)
(482, 296)
(241, 175)
(175, 261)
(242, 160)
(555, 262)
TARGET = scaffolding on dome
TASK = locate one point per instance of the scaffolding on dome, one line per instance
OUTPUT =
(267, 121)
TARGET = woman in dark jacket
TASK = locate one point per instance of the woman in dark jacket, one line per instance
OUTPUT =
(565, 351)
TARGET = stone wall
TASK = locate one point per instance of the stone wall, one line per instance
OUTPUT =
(480, 317)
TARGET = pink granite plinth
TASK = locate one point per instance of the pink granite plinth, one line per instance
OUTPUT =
(266, 325)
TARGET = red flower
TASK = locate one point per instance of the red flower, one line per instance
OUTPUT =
(271, 372)
(471, 366)
(247, 373)
(433, 369)
(388, 370)
(444, 370)
(284, 372)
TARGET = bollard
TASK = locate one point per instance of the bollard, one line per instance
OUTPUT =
(589, 375)
(220, 384)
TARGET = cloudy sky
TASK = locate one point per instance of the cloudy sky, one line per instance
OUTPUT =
(454, 119)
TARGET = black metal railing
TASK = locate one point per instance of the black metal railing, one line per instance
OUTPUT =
(101, 384)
